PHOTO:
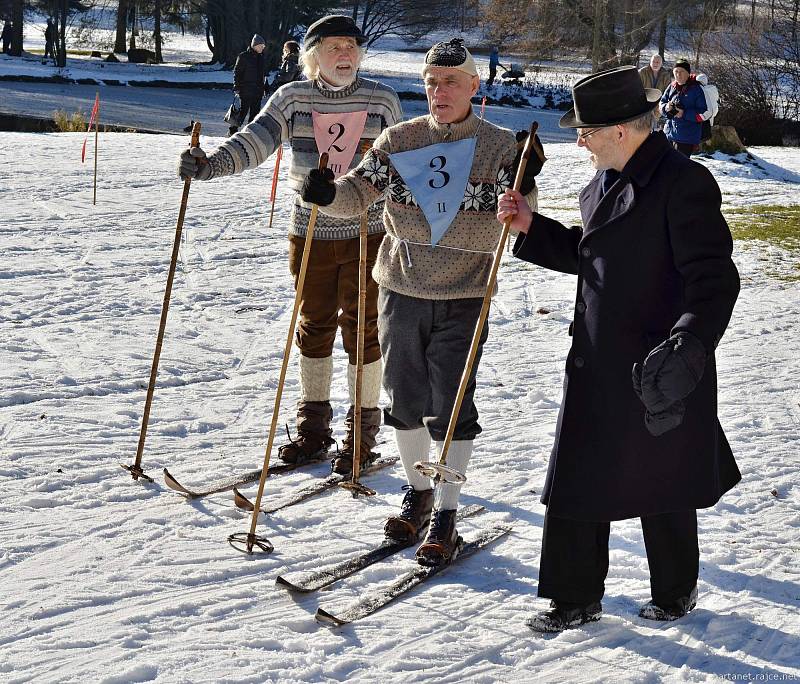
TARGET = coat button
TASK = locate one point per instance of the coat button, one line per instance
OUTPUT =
(579, 362)
(580, 307)
(586, 252)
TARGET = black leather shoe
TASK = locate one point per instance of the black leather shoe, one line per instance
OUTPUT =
(442, 543)
(415, 513)
(563, 615)
(669, 611)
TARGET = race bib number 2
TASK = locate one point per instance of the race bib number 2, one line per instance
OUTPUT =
(437, 176)
(338, 135)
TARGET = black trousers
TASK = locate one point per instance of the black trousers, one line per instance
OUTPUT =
(574, 561)
(684, 148)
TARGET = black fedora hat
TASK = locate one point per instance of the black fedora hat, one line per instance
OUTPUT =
(609, 97)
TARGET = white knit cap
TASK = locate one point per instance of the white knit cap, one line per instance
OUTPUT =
(452, 54)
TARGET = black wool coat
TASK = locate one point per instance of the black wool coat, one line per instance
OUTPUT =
(249, 74)
(653, 258)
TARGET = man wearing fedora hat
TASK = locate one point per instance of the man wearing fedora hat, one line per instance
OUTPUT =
(354, 110)
(637, 433)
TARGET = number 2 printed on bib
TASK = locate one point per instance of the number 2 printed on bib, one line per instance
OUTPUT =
(338, 134)
(437, 176)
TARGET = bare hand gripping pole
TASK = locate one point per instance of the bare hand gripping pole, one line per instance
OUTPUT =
(440, 470)
(247, 541)
(136, 469)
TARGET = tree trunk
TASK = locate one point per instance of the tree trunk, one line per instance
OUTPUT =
(356, 4)
(122, 27)
(132, 44)
(662, 34)
(157, 30)
(17, 19)
(62, 33)
(597, 30)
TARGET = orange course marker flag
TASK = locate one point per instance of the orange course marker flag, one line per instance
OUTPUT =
(92, 120)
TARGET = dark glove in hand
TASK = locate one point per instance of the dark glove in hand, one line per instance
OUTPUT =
(193, 164)
(672, 370)
(664, 420)
(318, 187)
(534, 164)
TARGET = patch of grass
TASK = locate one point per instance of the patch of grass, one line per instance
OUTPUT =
(777, 224)
(774, 224)
(67, 123)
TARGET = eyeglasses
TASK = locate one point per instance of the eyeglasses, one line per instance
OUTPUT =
(585, 136)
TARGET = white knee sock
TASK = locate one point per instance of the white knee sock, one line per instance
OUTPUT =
(445, 498)
(371, 376)
(315, 378)
(414, 445)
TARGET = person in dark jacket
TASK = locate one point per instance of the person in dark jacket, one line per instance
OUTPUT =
(637, 433)
(49, 40)
(683, 104)
(248, 81)
(6, 36)
(290, 66)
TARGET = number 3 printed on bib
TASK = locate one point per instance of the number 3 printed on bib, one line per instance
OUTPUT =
(437, 176)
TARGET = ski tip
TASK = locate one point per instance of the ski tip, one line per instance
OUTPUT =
(324, 617)
(172, 483)
(242, 501)
(281, 581)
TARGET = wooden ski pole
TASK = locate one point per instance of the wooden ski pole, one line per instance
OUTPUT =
(273, 194)
(96, 137)
(440, 470)
(353, 485)
(136, 469)
(246, 541)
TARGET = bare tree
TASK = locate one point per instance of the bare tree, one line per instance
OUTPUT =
(121, 27)
(411, 19)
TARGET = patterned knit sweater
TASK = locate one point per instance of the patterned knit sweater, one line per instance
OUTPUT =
(459, 265)
(287, 117)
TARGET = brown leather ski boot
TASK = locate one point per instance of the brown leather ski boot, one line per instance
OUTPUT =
(415, 513)
(442, 542)
(370, 424)
(313, 433)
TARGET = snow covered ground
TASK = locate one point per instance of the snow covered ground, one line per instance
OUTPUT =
(108, 580)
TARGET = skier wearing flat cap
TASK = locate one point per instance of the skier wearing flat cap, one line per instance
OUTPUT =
(440, 176)
(338, 112)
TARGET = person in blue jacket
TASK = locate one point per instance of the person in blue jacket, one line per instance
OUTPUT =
(683, 104)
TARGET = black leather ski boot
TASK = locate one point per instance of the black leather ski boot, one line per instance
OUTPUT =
(415, 513)
(442, 542)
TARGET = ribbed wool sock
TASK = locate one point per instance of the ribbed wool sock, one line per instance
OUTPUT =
(371, 377)
(445, 498)
(414, 445)
(315, 378)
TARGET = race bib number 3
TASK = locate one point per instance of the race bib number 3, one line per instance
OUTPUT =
(338, 135)
(437, 176)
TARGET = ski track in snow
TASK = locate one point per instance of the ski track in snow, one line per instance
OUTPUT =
(109, 580)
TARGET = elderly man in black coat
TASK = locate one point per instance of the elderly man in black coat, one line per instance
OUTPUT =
(637, 434)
